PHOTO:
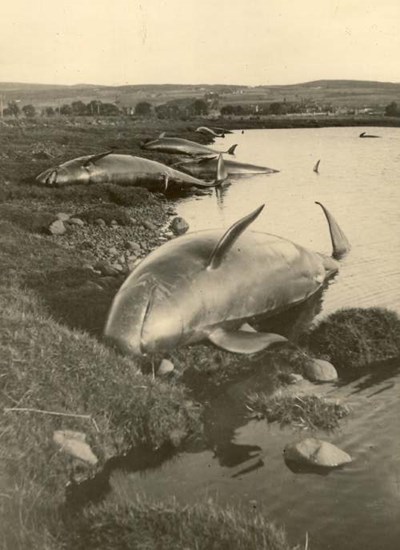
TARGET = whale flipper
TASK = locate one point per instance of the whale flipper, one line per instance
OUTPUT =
(340, 243)
(94, 158)
(241, 341)
(229, 237)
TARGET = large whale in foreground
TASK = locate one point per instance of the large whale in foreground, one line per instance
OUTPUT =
(206, 167)
(204, 286)
(124, 170)
(182, 146)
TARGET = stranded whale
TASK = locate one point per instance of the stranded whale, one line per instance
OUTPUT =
(182, 146)
(203, 167)
(124, 170)
(205, 285)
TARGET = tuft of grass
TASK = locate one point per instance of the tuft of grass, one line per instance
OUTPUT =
(354, 338)
(170, 526)
(305, 411)
(25, 218)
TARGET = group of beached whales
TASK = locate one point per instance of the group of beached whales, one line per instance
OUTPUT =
(205, 286)
(202, 166)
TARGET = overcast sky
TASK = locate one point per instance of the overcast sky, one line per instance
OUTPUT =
(199, 41)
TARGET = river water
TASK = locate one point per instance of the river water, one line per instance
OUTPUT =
(357, 507)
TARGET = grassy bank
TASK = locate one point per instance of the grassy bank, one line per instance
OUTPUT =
(55, 373)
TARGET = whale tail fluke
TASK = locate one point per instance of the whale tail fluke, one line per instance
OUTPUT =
(340, 243)
(231, 150)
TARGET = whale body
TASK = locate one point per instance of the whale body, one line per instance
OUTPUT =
(182, 146)
(205, 285)
(203, 167)
(124, 170)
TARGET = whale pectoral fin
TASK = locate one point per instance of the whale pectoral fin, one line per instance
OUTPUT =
(241, 341)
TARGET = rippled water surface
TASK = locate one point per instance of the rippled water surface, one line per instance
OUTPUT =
(358, 181)
(357, 507)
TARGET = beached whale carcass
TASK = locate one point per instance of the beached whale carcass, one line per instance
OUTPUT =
(124, 170)
(203, 167)
(181, 146)
(203, 286)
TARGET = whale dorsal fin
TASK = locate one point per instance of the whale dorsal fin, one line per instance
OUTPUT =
(340, 243)
(227, 240)
(162, 135)
(94, 158)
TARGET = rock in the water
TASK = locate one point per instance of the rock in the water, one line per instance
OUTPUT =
(179, 226)
(74, 444)
(165, 367)
(76, 221)
(62, 216)
(316, 452)
(321, 371)
(57, 228)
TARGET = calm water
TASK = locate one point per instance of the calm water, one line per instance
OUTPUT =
(357, 507)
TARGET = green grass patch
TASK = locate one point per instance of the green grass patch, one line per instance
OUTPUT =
(170, 526)
(305, 411)
(355, 338)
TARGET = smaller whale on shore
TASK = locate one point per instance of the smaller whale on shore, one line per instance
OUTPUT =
(109, 167)
(365, 135)
(183, 146)
(203, 167)
(209, 132)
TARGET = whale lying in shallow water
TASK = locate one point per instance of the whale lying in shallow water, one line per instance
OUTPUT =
(124, 170)
(182, 146)
(204, 286)
(203, 167)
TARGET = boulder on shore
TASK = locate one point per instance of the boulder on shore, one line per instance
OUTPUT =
(321, 371)
(315, 452)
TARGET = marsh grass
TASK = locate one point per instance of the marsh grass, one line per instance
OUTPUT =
(305, 411)
(356, 337)
(170, 526)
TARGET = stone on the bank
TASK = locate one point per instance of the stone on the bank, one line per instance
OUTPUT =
(113, 222)
(74, 444)
(118, 267)
(57, 228)
(149, 225)
(295, 378)
(133, 246)
(62, 216)
(316, 452)
(179, 226)
(100, 222)
(76, 221)
(321, 371)
(105, 268)
(165, 367)
(113, 251)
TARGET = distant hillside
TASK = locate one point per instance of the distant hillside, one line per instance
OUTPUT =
(339, 93)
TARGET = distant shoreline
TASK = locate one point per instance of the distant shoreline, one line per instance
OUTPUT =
(287, 121)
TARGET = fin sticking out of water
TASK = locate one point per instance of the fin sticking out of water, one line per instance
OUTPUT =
(231, 150)
(316, 166)
(340, 243)
(95, 158)
(240, 341)
(162, 135)
(229, 237)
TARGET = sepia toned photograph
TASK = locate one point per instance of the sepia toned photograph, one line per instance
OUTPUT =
(200, 275)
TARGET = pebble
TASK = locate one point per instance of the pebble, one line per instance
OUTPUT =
(74, 444)
(179, 226)
(321, 371)
(316, 452)
(76, 221)
(134, 246)
(105, 268)
(149, 225)
(100, 221)
(57, 228)
(113, 251)
(166, 366)
(62, 216)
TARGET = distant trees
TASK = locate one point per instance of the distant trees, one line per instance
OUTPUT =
(12, 109)
(66, 109)
(48, 111)
(392, 109)
(143, 109)
(199, 108)
(29, 111)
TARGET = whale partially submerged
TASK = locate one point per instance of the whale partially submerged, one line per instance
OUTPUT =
(204, 167)
(209, 132)
(183, 146)
(109, 167)
(205, 285)
(365, 135)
